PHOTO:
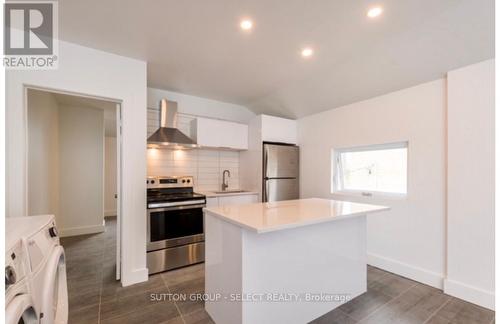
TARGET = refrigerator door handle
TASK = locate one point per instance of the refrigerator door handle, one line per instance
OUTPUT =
(265, 165)
(278, 178)
(266, 191)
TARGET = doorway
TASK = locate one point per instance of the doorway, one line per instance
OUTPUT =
(74, 166)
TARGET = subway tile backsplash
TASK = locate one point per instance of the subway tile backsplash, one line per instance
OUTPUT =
(206, 166)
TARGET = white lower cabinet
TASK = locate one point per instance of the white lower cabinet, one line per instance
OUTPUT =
(212, 201)
(237, 200)
(231, 200)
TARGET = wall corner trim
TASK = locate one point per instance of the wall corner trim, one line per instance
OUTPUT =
(135, 276)
(407, 270)
(469, 293)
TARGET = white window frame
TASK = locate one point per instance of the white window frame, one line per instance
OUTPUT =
(337, 186)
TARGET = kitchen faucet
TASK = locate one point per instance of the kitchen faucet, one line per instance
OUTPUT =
(224, 183)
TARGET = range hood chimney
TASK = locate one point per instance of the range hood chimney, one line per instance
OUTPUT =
(168, 136)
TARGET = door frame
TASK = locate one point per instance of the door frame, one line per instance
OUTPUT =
(118, 189)
(118, 102)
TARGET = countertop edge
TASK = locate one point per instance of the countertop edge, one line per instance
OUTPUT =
(292, 225)
(210, 194)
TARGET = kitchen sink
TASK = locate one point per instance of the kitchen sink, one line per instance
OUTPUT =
(229, 191)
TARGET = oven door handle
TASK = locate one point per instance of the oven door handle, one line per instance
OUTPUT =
(177, 204)
(161, 209)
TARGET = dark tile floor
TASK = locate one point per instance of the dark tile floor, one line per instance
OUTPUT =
(96, 297)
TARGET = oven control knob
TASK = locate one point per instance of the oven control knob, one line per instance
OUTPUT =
(188, 180)
(147, 181)
(183, 180)
(152, 182)
(53, 231)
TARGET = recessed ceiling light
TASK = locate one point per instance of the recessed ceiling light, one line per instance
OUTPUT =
(246, 24)
(374, 12)
(307, 52)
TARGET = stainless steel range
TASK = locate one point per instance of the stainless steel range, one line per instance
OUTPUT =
(175, 223)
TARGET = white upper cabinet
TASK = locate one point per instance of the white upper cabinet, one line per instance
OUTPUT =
(220, 133)
(276, 129)
(207, 132)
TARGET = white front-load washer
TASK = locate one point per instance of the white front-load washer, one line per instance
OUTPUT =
(47, 279)
(19, 306)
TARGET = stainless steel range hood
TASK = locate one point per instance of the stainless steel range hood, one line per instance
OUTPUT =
(168, 136)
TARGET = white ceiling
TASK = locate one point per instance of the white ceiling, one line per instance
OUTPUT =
(108, 107)
(197, 48)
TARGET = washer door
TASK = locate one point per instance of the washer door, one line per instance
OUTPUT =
(20, 310)
(55, 292)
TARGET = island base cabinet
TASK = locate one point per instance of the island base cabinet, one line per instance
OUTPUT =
(287, 276)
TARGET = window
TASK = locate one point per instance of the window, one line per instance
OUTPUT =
(376, 168)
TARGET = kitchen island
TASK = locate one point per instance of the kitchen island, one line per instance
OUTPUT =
(284, 262)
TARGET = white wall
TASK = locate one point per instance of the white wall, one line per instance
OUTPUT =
(81, 170)
(251, 160)
(199, 106)
(471, 184)
(43, 165)
(410, 238)
(87, 71)
(110, 176)
(442, 234)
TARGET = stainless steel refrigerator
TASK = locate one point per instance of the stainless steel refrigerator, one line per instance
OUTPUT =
(280, 172)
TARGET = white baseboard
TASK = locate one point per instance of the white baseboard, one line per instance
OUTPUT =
(469, 293)
(407, 270)
(135, 276)
(109, 213)
(73, 231)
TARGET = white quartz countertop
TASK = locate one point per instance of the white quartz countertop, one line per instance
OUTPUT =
(211, 194)
(274, 216)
